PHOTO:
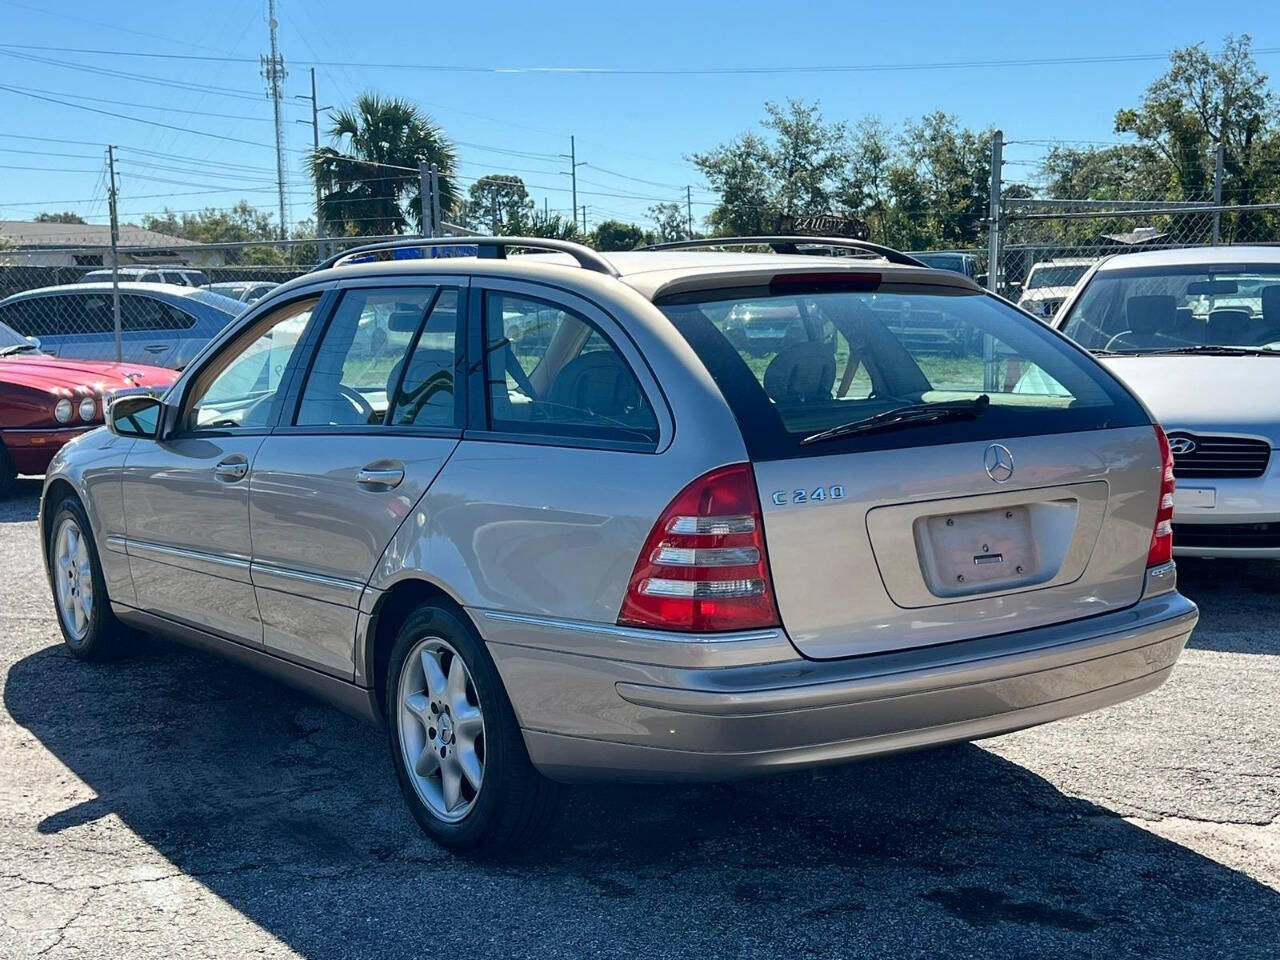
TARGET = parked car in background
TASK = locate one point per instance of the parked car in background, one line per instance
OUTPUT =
(162, 324)
(962, 263)
(1049, 282)
(182, 276)
(246, 291)
(570, 520)
(46, 401)
(1196, 334)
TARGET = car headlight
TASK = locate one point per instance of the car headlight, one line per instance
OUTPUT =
(88, 409)
(63, 410)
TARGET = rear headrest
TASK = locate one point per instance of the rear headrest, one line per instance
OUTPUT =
(1150, 313)
(802, 371)
(1271, 304)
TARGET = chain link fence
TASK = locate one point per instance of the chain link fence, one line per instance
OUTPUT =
(172, 301)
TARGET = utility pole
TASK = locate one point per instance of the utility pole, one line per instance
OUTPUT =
(437, 225)
(274, 72)
(493, 211)
(115, 251)
(315, 146)
(584, 218)
(993, 254)
(574, 164)
(425, 198)
(1218, 165)
(688, 208)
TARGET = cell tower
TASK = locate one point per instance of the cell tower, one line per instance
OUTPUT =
(274, 73)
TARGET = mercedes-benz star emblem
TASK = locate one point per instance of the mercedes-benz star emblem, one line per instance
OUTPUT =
(999, 462)
(1182, 445)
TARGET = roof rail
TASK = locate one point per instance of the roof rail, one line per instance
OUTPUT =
(492, 248)
(789, 244)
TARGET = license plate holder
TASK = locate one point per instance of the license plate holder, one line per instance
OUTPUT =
(1194, 498)
(979, 551)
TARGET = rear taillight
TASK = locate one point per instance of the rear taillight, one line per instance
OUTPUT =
(703, 567)
(1162, 536)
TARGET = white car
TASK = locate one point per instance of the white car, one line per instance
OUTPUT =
(1196, 334)
(1050, 282)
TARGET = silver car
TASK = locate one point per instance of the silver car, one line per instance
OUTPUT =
(568, 522)
(161, 324)
(1196, 334)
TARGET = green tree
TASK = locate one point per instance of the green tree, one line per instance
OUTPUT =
(793, 168)
(66, 216)
(1204, 100)
(243, 223)
(616, 235)
(369, 181)
(497, 193)
(552, 226)
(670, 224)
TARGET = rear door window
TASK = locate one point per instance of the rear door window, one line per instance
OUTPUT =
(551, 372)
(793, 363)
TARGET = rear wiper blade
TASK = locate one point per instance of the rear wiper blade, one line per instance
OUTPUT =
(1214, 350)
(909, 416)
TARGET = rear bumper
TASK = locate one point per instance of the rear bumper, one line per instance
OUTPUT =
(590, 717)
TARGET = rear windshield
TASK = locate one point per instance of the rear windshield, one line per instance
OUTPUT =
(1055, 276)
(1148, 309)
(794, 364)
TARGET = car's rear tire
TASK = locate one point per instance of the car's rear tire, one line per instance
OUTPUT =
(455, 744)
(89, 629)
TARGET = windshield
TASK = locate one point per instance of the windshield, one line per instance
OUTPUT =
(11, 338)
(792, 365)
(1055, 276)
(1149, 309)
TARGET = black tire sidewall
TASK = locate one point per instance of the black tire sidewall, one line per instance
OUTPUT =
(97, 642)
(8, 473)
(505, 756)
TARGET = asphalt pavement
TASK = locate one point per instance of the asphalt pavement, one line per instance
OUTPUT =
(177, 806)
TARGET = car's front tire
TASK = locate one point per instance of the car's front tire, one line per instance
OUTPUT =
(456, 746)
(8, 473)
(89, 629)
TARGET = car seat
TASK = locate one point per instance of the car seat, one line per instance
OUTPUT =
(1147, 317)
(805, 370)
(1229, 326)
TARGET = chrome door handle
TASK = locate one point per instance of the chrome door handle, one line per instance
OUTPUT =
(156, 347)
(382, 476)
(232, 469)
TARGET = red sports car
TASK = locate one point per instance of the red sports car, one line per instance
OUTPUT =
(45, 401)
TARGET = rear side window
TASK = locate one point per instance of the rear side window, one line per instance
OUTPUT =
(793, 363)
(145, 313)
(551, 372)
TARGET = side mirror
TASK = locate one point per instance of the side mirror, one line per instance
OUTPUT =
(34, 341)
(135, 416)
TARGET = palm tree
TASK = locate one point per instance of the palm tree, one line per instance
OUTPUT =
(368, 181)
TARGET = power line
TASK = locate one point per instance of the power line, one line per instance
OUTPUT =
(124, 116)
(149, 106)
(1038, 62)
(149, 79)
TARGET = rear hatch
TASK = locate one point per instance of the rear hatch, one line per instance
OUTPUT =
(920, 488)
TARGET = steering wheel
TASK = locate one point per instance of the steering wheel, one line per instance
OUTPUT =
(357, 400)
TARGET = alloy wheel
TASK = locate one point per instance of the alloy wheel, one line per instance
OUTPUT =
(441, 729)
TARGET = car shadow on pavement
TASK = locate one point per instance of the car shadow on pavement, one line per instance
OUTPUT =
(22, 505)
(288, 811)
(1239, 592)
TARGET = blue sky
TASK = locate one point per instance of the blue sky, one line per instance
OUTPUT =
(634, 130)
